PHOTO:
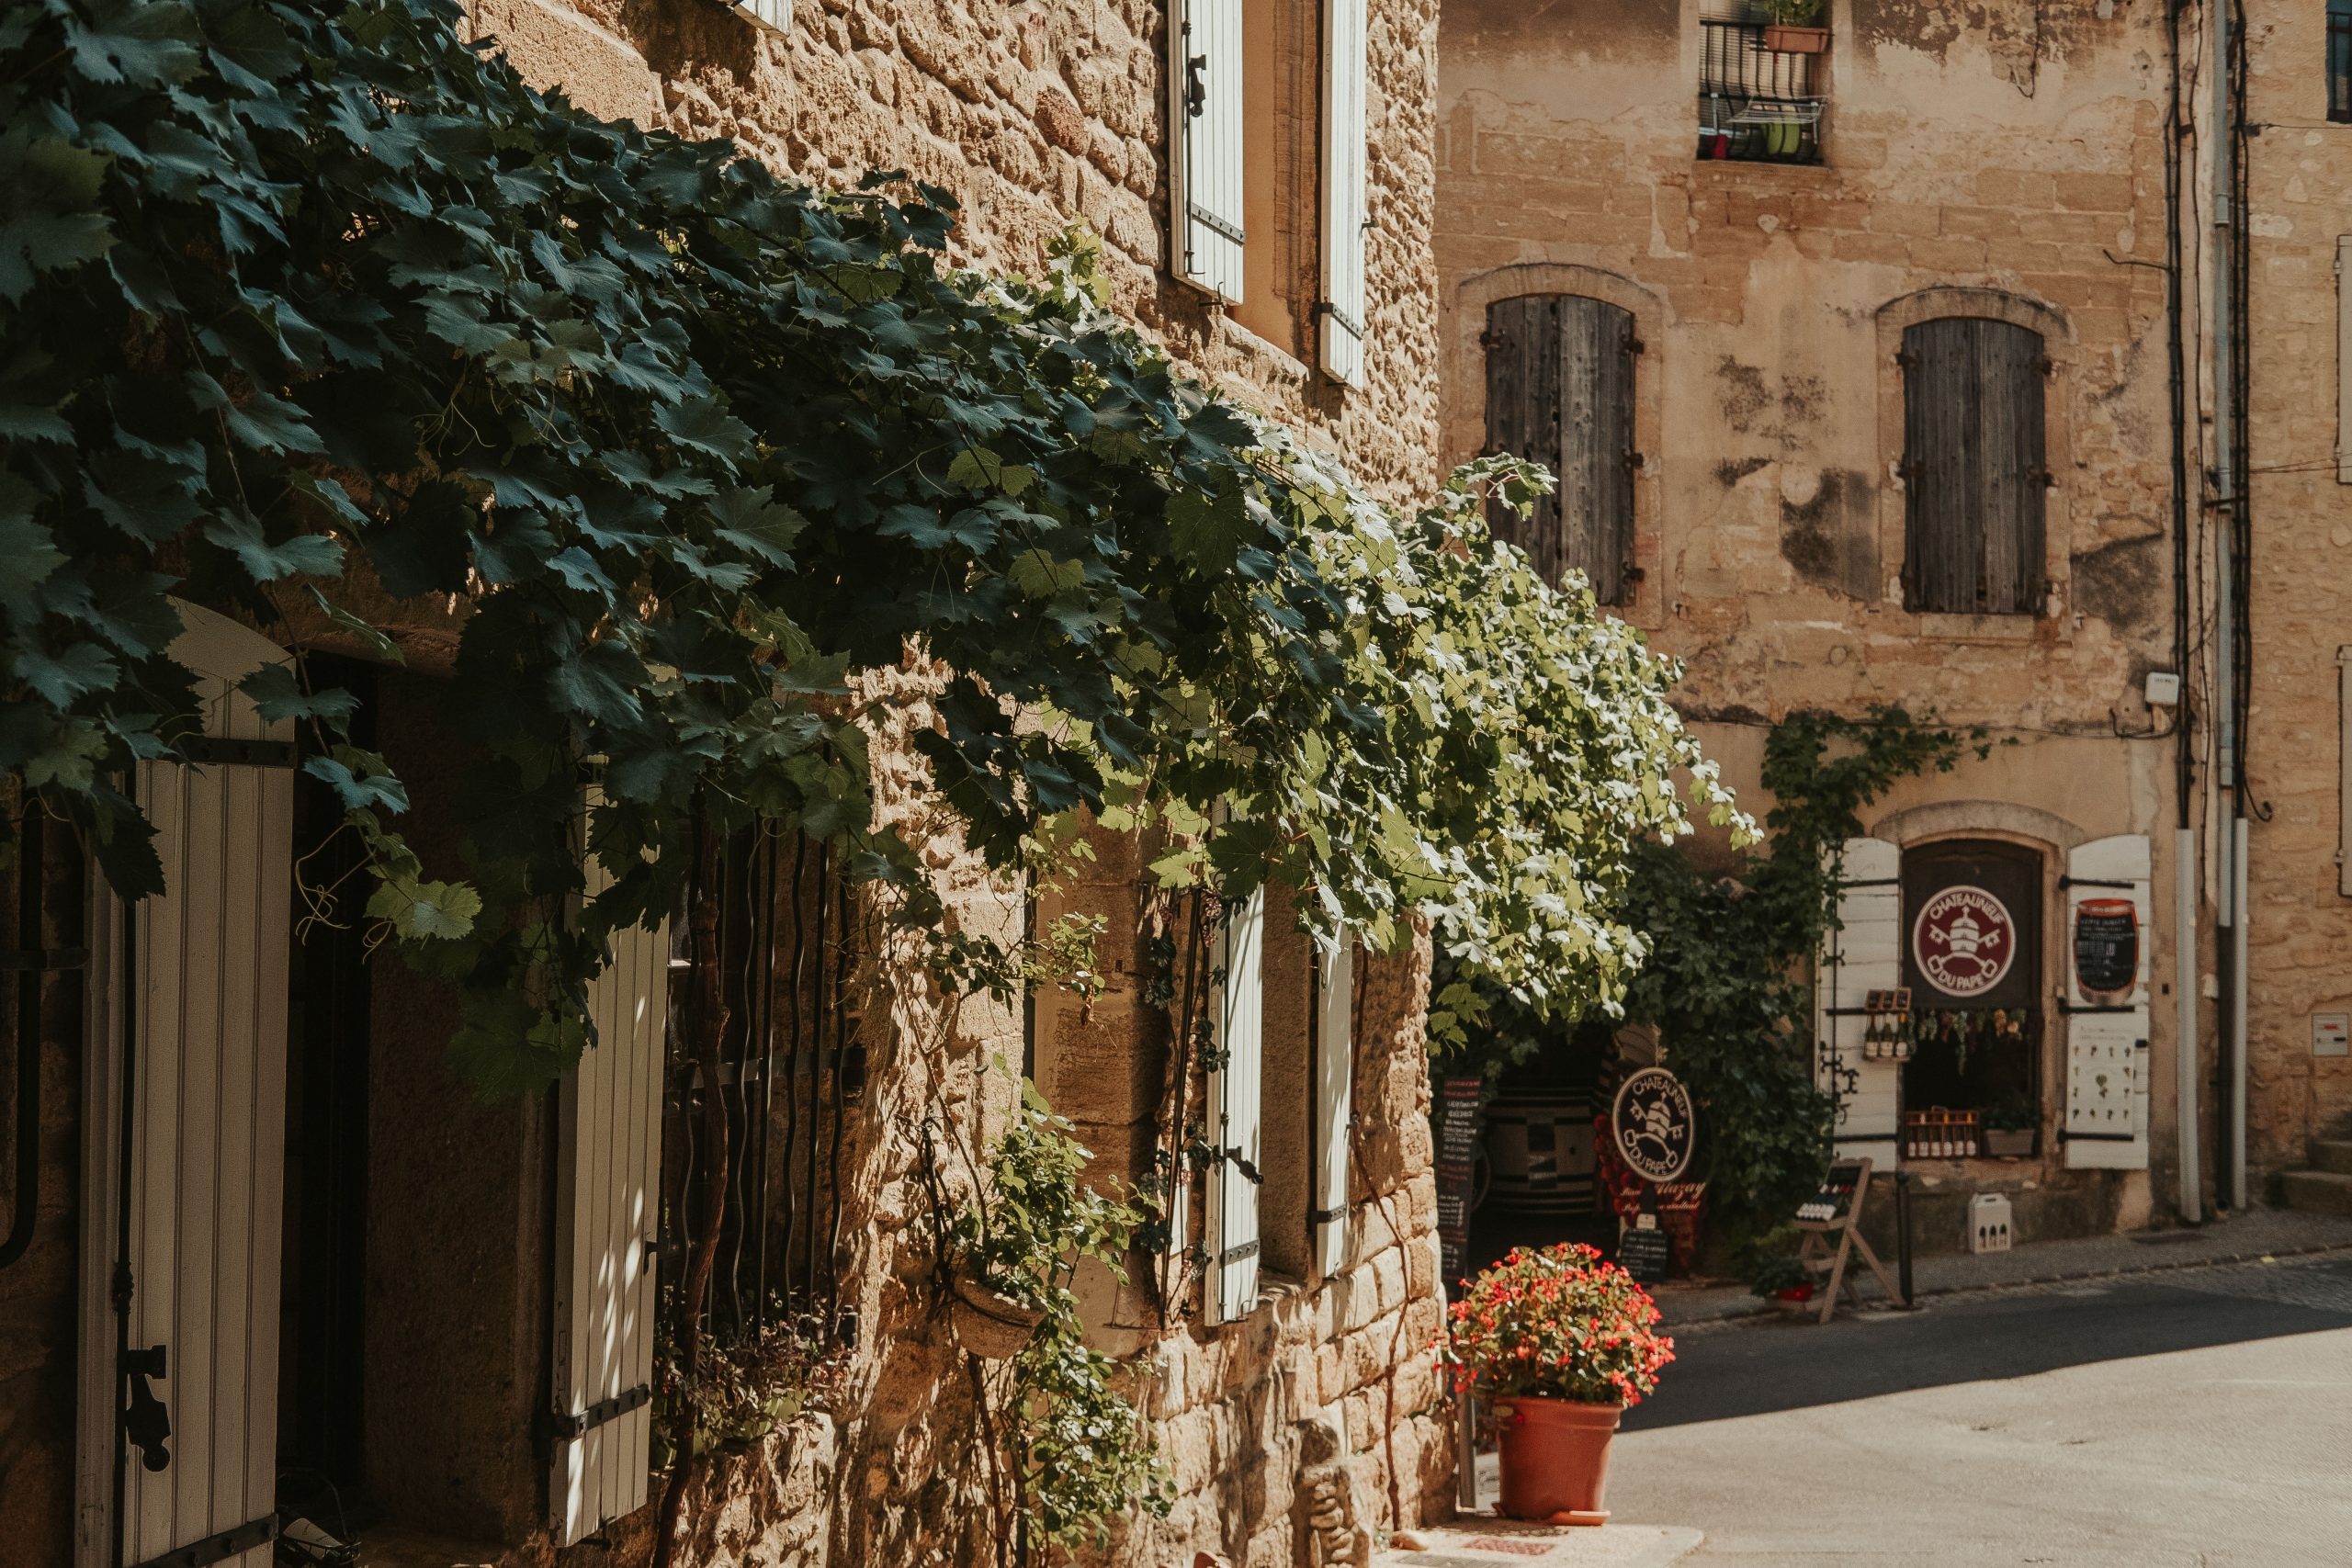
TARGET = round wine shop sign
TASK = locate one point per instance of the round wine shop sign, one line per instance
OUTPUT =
(1963, 941)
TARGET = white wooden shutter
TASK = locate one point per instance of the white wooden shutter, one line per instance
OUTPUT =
(1864, 956)
(1204, 165)
(194, 977)
(1235, 1080)
(2107, 1050)
(1341, 343)
(2344, 359)
(1334, 1072)
(609, 1184)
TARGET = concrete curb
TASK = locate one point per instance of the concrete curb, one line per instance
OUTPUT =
(1485, 1543)
(1744, 1310)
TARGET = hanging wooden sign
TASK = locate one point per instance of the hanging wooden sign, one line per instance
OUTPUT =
(1653, 1125)
(2107, 949)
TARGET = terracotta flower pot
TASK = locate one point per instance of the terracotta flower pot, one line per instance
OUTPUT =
(989, 1323)
(1555, 1459)
(1782, 40)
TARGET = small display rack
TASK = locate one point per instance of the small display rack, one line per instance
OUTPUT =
(1830, 1223)
(1938, 1134)
(1888, 1030)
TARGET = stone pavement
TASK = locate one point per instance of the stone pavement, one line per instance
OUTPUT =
(2241, 1238)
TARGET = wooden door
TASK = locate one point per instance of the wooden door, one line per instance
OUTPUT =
(185, 1124)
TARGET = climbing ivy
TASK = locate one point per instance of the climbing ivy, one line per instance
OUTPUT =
(324, 316)
(1728, 982)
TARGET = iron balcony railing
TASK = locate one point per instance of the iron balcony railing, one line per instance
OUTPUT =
(1757, 105)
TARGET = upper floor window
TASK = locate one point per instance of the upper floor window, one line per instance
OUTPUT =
(1266, 169)
(1761, 79)
(2339, 59)
(1975, 468)
(1560, 392)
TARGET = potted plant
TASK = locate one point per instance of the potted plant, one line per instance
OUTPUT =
(1011, 1252)
(1774, 1271)
(1793, 26)
(2011, 1127)
(1559, 1343)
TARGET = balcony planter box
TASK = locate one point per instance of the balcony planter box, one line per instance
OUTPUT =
(1783, 39)
(2001, 1144)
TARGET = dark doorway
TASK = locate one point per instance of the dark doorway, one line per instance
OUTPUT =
(323, 1292)
(1971, 956)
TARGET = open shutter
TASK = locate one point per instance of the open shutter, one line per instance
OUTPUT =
(608, 1179)
(187, 1022)
(2106, 1017)
(1205, 175)
(1344, 215)
(1864, 955)
(1234, 1084)
(1334, 1072)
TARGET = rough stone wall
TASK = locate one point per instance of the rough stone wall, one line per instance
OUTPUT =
(2002, 159)
(2299, 201)
(1033, 115)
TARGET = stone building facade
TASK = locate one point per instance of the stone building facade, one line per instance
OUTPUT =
(2297, 218)
(1785, 243)
(449, 1296)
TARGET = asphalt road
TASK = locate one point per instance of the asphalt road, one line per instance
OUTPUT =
(2200, 1416)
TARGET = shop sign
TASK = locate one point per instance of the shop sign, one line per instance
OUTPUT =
(1459, 1103)
(2107, 949)
(1653, 1125)
(1963, 941)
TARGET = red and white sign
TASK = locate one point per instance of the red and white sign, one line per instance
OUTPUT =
(1963, 941)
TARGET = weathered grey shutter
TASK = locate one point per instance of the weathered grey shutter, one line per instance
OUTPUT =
(1334, 1072)
(196, 976)
(608, 1183)
(1975, 471)
(1236, 1085)
(1340, 337)
(1864, 955)
(2106, 1040)
(1560, 392)
(1204, 166)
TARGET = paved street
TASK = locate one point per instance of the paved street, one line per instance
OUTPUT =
(2197, 1417)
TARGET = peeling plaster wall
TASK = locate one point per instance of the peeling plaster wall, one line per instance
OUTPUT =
(1996, 158)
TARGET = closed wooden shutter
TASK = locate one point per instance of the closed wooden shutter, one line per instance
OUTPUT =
(194, 980)
(1205, 173)
(2107, 1036)
(1340, 343)
(1235, 1081)
(1975, 472)
(1560, 392)
(1864, 955)
(608, 1182)
(1335, 1073)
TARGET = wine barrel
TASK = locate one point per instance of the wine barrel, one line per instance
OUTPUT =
(1539, 1148)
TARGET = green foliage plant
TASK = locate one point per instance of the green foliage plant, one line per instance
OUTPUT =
(323, 316)
(1082, 1455)
(1728, 984)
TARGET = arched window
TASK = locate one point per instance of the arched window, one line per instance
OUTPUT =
(2339, 59)
(1975, 472)
(1560, 392)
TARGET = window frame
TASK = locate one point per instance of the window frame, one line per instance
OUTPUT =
(1464, 401)
(2054, 621)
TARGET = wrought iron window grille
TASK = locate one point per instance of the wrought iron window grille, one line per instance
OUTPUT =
(1757, 105)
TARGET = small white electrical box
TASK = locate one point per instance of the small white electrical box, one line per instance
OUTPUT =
(2163, 689)
(2332, 1034)
(1988, 1223)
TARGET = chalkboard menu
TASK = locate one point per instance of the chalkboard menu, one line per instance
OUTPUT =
(1645, 1251)
(2107, 949)
(1458, 1102)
